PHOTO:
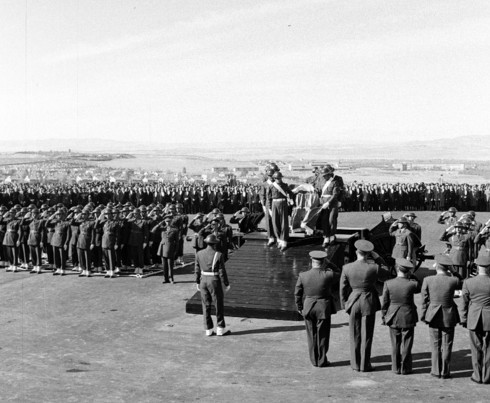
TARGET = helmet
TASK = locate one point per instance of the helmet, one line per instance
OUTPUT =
(452, 210)
(211, 239)
(328, 169)
(274, 166)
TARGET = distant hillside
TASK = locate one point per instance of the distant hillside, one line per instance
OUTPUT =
(464, 148)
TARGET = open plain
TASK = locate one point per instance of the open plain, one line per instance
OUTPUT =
(70, 339)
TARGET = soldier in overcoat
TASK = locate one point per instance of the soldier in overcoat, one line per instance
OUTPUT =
(475, 315)
(440, 312)
(399, 312)
(314, 300)
(359, 297)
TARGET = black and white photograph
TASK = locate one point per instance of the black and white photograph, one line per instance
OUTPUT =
(244, 201)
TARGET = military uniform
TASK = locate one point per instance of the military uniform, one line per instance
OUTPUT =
(360, 299)
(475, 314)
(400, 314)
(210, 272)
(461, 250)
(110, 239)
(60, 242)
(404, 244)
(441, 314)
(315, 285)
(331, 192)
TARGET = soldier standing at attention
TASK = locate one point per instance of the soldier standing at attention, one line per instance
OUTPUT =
(475, 315)
(359, 297)
(210, 272)
(316, 286)
(441, 314)
(400, 314)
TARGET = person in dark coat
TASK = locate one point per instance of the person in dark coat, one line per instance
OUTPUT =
(210, 273)
(475, 315)
(460, 245)
(440, 312)
(111, 232)
(405, 244)
(330, 188)
(399, 312)
(60, 240)
(315, 285)
(359, 298)
(168, 245)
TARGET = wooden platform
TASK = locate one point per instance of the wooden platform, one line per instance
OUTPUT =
(263, 278)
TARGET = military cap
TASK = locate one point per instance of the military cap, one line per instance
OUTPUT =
(215, 211)
(220, 215)
(179, 205)
(3, 208)
(269, 172)
(44, 206)
(443, 259)
(245, 210)
(472, 213)
(404, 265)
(59, 205)
(318, 254)
(168, 217)
(327, 169)
(35, 210)
(143, 208)
(452, 210)
(483, 260)
(410, 215)
(128, 204)
(157, 208)
(402, 220)
(136, 210)
(18, 206)
(277, 175)
(32, 205)
(459, 224)
(364, 246)
(211, 239)
(50, 209)
(110, 204)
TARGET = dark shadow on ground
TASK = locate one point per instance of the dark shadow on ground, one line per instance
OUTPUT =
(270, 330)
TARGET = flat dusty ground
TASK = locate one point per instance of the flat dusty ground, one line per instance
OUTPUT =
(73, 339)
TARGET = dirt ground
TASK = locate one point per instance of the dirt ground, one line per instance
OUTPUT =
(71, 339)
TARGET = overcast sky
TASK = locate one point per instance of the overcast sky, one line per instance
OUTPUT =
(207, 71)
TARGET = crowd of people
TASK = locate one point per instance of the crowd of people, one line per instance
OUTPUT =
(203, 197)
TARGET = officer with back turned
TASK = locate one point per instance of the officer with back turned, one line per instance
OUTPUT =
(315, 285)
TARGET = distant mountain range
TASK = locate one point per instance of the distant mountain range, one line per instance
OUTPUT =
(464, 148)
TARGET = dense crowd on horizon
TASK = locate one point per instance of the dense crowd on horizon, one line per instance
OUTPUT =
(203, 197)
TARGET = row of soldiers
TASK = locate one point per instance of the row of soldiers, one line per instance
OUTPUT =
(111, 238)
(359, 297)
